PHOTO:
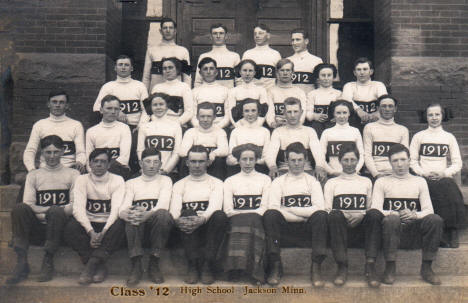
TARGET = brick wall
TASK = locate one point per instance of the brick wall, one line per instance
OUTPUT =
(382, 44)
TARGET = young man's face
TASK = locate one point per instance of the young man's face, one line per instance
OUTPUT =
(52, 155)
(298, 42)
(363, 72)
(296, 163)
(58, 105)
(434, 116)
(110, 111)
(197, 163)
(285, 73)
(99, 165)
(218, 36)
(123, 68)
(168, 31)
(349, 162)
(208, 72)
(205, 118)
(169, 70)
(261, 36)
(400, 163)
(387, 109)
(293, 113)
(150, 165)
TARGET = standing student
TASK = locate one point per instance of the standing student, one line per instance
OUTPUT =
(430, 149)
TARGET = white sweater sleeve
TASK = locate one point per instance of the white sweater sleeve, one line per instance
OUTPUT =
(125, 145)
(216, 199)
(117, 197)
(187, 143)
(222, 148)
(328, 195)
(29, 156)
(360, 148)
(455, 158)
(147, 70)
(80, 144)
(414, 155)
(188, 106)
(165, 194)
(228, 206)
(176, 200)
(272, 150)
(80, 197)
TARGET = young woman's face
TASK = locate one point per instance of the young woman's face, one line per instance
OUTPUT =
(341, 114)
(159, 107)
(169, 70)
(247, 161)
(250, 112)
(434, 116)
(325, 77)
(247, 72)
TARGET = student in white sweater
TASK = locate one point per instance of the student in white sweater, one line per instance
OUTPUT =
(225, 59)
(264, 56)
(211, 137)
(152, 71)
(146, 211)
(246, 89)
(211, 91)
(406, 213)
(248, 131)
(162, 133)
(334, 138)
(46, 208)
(196, 206)
(95, 231)
(430, 150)
(347, 197)
(283, 89)
(318, 100)
(295, 216)
(69, 130)
(245, 201)
(112, 135)
(380, 135)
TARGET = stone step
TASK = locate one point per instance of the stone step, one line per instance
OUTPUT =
(405, 289)
(295, 261)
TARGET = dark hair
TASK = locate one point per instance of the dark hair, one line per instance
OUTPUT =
(363, 60)
(57, 92)
(397, 148)
(177, 63)
(124, 57)
(51, 140)
(150, 151)
(292, 101)
(283, 62)
(207, 60)
(295, 147)
(348, 147)
(386, 96)
(302, 31)
(166, 19)
(216, 25)
(109, 98)
(261, 108)
(198, 149)
(246, 61)
(319, 67)
(447, 113)
(147, 102)
(206, 105)
(262, 26)
(97, 152)
(334, 104)
(239, 149)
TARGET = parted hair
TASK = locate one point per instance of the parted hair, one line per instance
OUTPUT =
(207, 60)
(150, 151)
(58, 92)
(124, 57)
(216, 25)
(166, 19)
(387, 96)
(319, 67)
(177, 63)
(334, 104)
(108, 98)
(51, 140)
(292, 101)
(296, 147)
(197, 149)
(206, 105)
(238, 150)
(397, 148)
(147, 102)
(348, 147)
(363, 60)
(97, 152)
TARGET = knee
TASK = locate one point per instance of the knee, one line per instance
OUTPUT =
(335, 215)
(391, 221)
(19, 209)
(433, 220)
(162, 216)
(219, 216)
(319, 215)
(188, 213)
(55, 210)
(270, 216)
(374, 214)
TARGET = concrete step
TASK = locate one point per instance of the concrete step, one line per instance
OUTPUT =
(296, 261)
(405, 289)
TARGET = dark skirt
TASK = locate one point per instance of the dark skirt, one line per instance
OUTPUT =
(447, 201)
(244, 246)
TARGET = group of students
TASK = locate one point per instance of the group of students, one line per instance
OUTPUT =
(238, 226)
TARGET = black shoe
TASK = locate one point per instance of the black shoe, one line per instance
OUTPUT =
(19, 274)
(316, 275)
(101, 273)
(389, 273)
(47, 268)
(207, 277)
(429, 276)
(371, 275)
(454, 243)
(192, 272)
(275, 275)
(136, 273)
(154, 272)
(87, 274)
(341, 274)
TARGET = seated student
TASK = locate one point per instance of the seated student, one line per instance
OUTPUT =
(196, 206)
(246, 90)
(248, 131)
(295, 214)
(211, 137)
(95, 231)
(211, 91)
(45, 210)
(405, 208)
(112, 135)
(180, 102)
(347, 197)
(146, 211)
(245, 201)
(364, 93)
(430, 149)
(162, 133)
(318, 100)
(379, 136)
(334, 138)
(69, 130)
(283, 89)
(292, 132)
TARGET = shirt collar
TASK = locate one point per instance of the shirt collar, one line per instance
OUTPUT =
(123, 80)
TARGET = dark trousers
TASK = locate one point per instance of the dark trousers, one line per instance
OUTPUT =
(427, 229)
(205, 241)
(119, 169)
(338, 228)
(216, 169)
(133, 161)
(77, 238)
(154, 231)
(278, 231)
(28, 229)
